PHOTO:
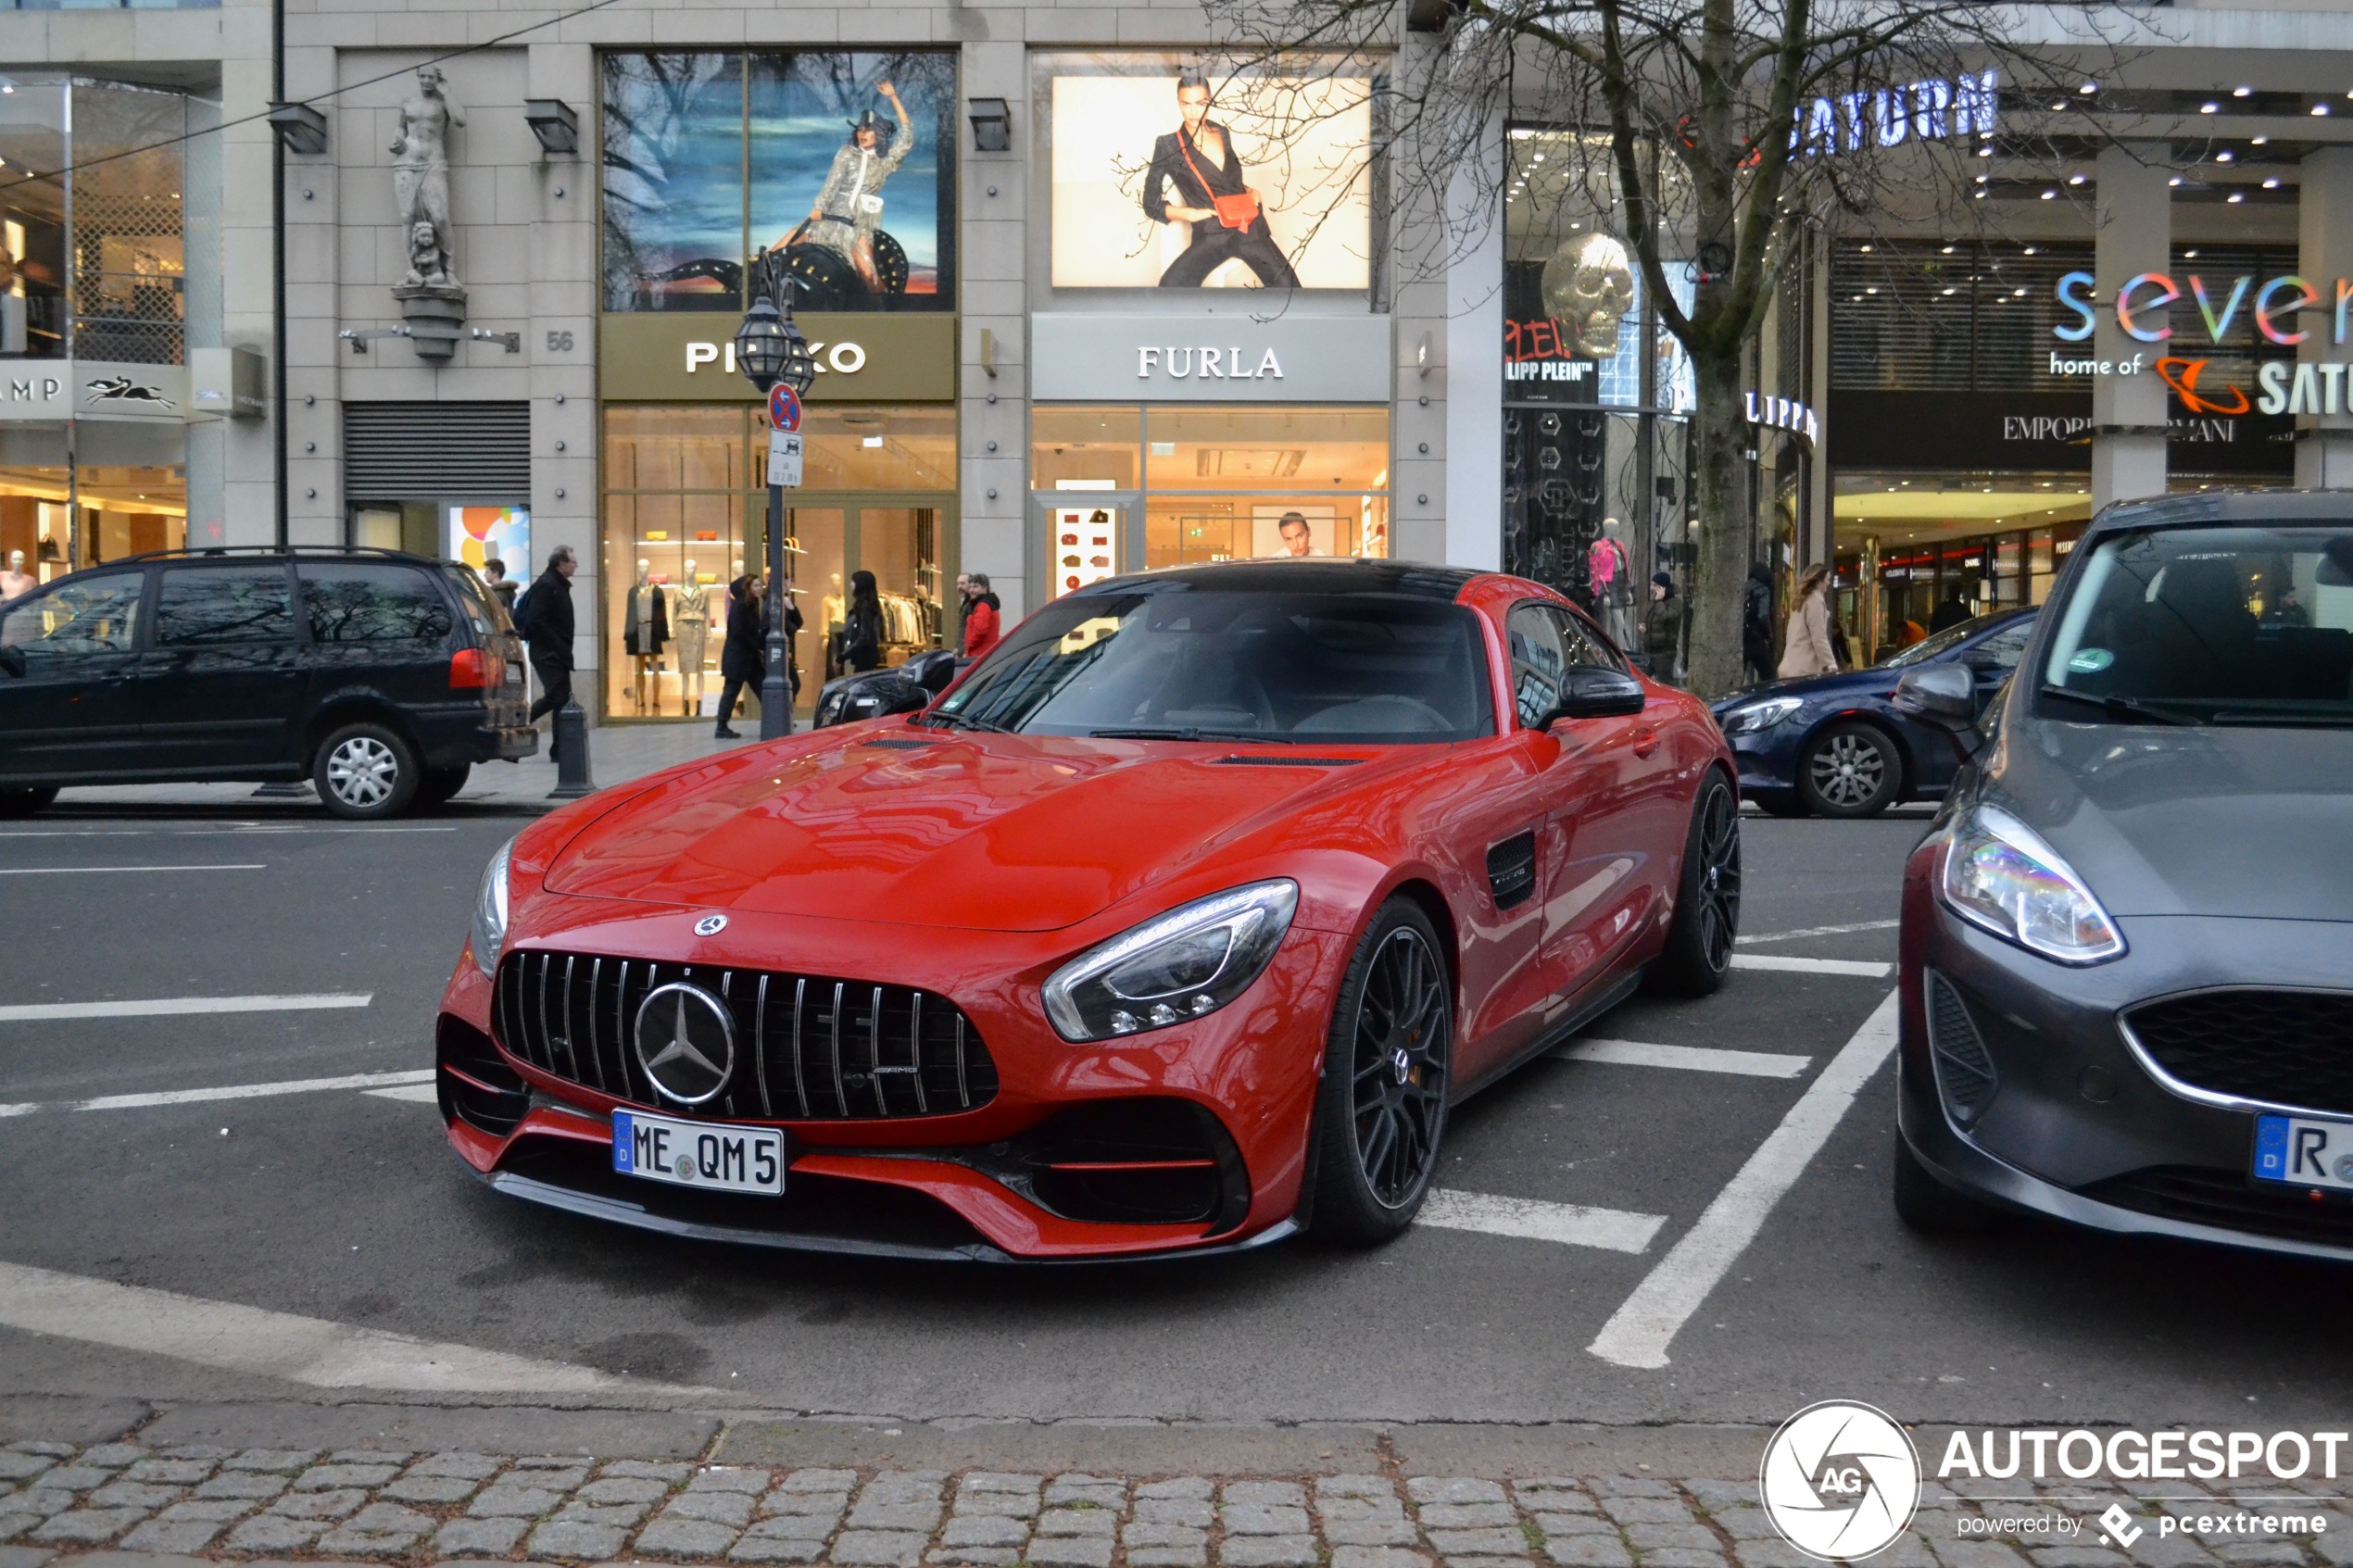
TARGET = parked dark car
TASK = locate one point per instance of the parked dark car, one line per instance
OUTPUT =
(381, 677)
(908, 689)
(2127, 945)
(1836, 746)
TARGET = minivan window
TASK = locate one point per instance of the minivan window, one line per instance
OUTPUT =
(80, 616)
(372, 602)
(2210, 625)
(211, 605)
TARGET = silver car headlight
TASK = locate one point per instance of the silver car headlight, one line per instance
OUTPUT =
(1182, 965)
(490, 912)
(1752, 716)
(1999, 874)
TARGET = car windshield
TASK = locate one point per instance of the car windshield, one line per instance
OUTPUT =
(1928, 649)
(2210, 625)
(1178, 662)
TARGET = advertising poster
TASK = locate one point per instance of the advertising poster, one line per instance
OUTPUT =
(483, 533)
(725, 174)
(1194, 180)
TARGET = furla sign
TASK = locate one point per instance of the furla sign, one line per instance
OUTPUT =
(1199, 358)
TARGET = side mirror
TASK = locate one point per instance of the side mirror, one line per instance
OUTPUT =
(1595, 693)
(1942, 696)
(12, 660)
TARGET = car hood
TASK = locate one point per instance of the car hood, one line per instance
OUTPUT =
(2225, 821)
(1001, 833)
(1846, 683)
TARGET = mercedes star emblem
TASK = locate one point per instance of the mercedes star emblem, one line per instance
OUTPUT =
(685, 1042)
(711, 925)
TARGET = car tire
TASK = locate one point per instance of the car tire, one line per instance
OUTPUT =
(1851, 769)
(1927, 1205)
(439, 786)
(365, 772)
(1707, 897)
(25, 802)
(1378, 1127)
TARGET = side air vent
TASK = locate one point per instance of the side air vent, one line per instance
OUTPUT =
(1965, 1074)
(1511, 869)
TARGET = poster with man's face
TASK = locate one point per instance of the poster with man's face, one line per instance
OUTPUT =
(1199, 180)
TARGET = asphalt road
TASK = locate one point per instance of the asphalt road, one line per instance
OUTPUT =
(345, 1204)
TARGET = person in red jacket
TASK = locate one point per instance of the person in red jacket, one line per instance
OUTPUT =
(983, 625)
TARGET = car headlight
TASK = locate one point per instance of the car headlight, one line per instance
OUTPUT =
(490, 912)
(1184, 964)
(1999, 874)
(829, 706)
(1753, 717)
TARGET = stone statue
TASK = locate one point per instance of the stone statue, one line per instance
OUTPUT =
(420, 181)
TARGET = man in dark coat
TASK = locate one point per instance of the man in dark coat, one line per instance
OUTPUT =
(547, 630)
(1756, 621)
(1200, 160)
(743, 658)
(1950, 614)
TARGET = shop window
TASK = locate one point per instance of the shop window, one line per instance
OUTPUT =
(1083, 448)
(1231, 448)
(725, 174)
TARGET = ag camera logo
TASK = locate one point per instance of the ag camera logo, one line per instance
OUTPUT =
(1840, 1481)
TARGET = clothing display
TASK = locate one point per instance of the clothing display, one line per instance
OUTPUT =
(647, 630)
(690, 618)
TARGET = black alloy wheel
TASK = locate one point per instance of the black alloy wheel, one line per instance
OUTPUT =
(1381, 1111)
(1707, 900)
(1850, 771)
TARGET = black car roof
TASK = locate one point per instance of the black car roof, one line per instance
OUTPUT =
(2226, 508)
(1357, 575)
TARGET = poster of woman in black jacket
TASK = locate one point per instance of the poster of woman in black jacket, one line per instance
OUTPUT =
(1199, 161)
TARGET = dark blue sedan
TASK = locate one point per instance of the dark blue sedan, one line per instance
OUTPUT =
(1835, 745)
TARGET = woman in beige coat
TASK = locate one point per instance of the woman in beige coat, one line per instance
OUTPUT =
(1807, 639)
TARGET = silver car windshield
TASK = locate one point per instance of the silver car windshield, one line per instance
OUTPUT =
(2210, 625)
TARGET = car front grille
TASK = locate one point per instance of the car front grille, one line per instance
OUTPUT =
(808, 1048)
(2287, 1048)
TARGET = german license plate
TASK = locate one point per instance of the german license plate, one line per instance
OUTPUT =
(696, 1154)
(2304, 1151)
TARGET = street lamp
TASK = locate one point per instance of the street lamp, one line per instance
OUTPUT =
(770, 350)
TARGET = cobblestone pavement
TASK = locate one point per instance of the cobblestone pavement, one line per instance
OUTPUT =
(364, 1504)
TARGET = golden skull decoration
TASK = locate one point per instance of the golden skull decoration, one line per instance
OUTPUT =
(1589, 286)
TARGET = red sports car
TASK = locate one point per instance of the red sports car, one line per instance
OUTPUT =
(1174, 926)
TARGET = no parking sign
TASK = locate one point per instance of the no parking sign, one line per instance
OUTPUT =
(784, 435)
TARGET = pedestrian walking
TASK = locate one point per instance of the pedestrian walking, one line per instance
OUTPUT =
(493, 572)
(1662, 629)
(1806, 640)
(862, 627)
(548, 631)
(983, 626)
(1756, 621)
(743, 658)
(1950, 614)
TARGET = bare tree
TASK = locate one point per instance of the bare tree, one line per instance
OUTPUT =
(1717, 131)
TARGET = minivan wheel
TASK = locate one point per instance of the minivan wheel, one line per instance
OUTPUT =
(365, 771)
(1850, 771)
(441, 785)
(24, 802)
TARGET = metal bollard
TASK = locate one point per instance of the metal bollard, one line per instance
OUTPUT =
(570, 739)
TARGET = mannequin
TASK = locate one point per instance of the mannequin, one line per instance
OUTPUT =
(831, 611)
(15, 582)
(645, 628)
(692, 618)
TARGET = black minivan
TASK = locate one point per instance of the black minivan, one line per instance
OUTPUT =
(381, 677)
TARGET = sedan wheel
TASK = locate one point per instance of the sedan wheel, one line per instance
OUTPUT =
(366, 770)
(1381, 1111)
(1852, 771)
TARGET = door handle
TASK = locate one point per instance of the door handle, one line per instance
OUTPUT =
(1645, 742)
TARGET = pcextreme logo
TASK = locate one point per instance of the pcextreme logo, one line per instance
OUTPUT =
(1840, 1481)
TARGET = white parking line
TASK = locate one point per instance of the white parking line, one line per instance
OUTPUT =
(212, 829)
(1690, 1059)
(1569, 1223)
(420, 1093)
(1647, 1322)
(182, 1007)
(405, 1084)
(1869, 969)
(1823, 930)
(87, 871)
(297, 1349)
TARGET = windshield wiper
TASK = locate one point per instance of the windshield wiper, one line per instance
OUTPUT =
(1191, 735)
(2116, 706)
(965, 721)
